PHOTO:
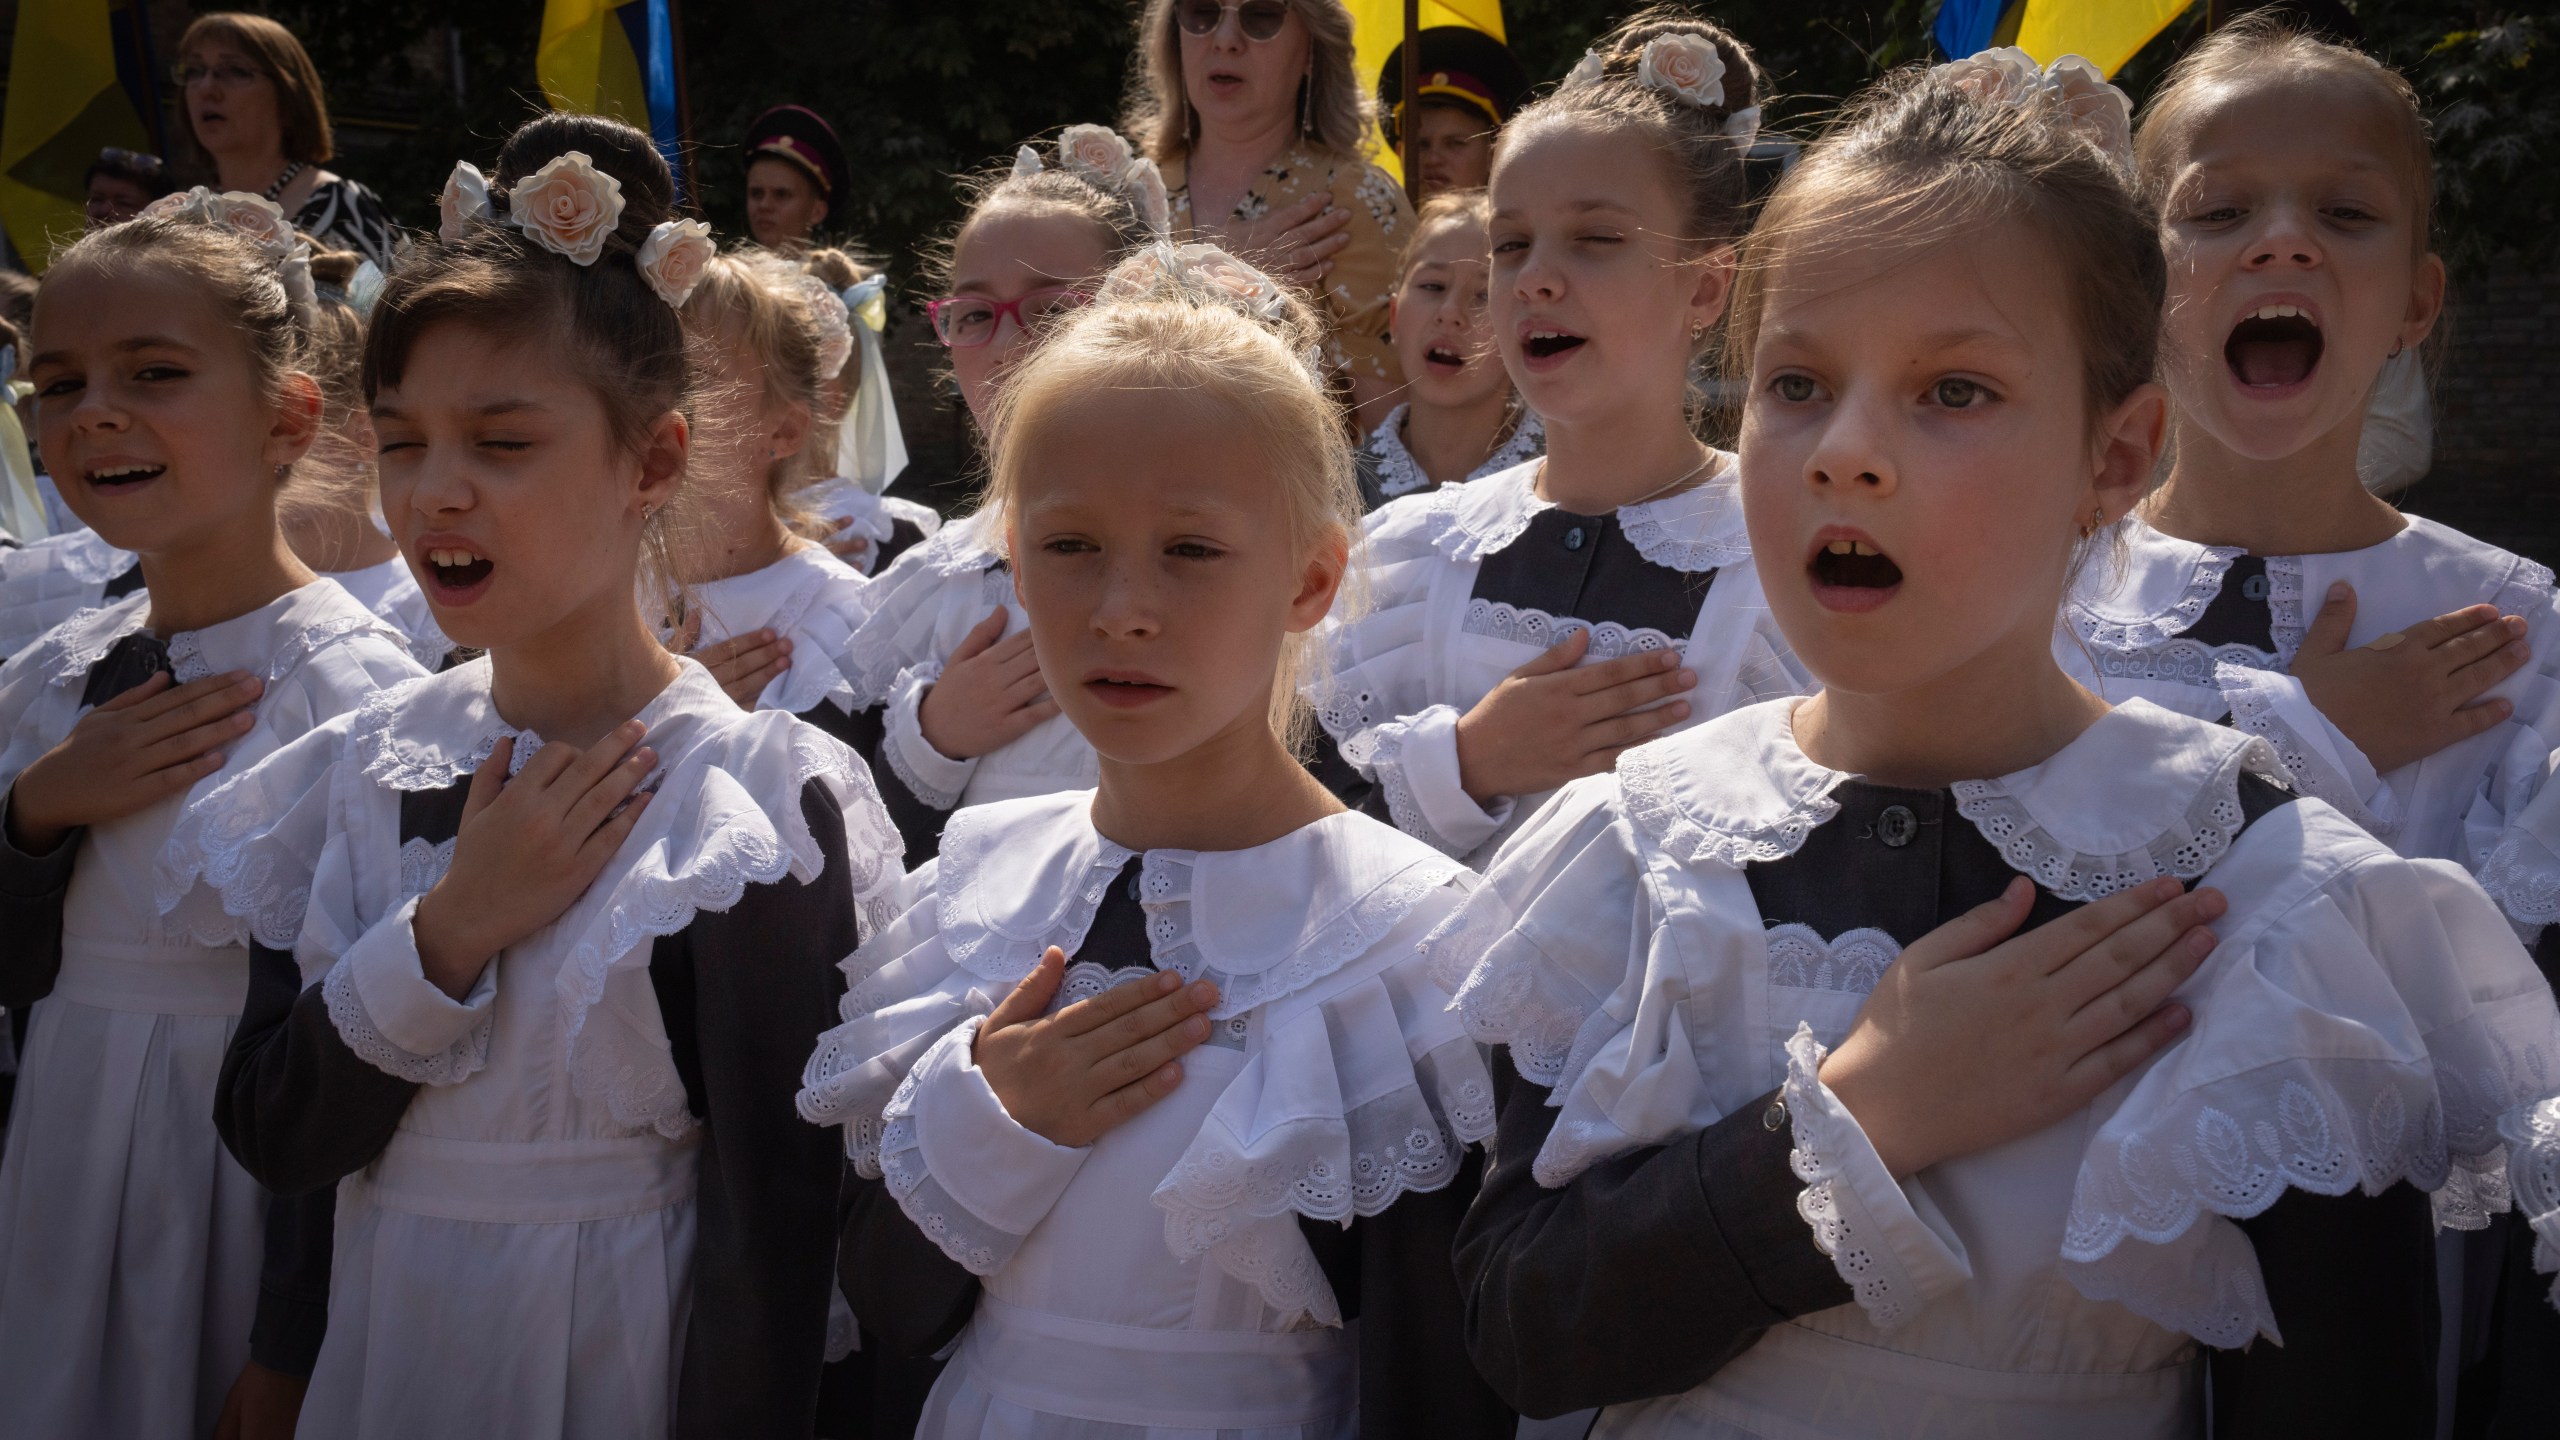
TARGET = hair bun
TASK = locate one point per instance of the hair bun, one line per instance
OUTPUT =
(625, 155)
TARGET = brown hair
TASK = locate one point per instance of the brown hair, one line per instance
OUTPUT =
(2268, 44)
(302, 106)
(1704, 163)
(1113, 212)
(1335, 103)
(1916, 160)
(764, 300)
(1166, 327)
(841, 269)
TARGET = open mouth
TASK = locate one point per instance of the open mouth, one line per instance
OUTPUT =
(1125, 692)
(114, 479)
(1443, 360)
(1224, 81)
(2274, 349)
(454, 575)
(1851, 573)
(1545, 344)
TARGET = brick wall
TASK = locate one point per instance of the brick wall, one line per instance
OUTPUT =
(2498, 413)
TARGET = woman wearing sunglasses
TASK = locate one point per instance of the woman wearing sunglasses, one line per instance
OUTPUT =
(951, 707)
(254, 111)
(1254, 111)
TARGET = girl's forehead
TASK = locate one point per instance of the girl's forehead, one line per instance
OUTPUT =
(2296, 117)
(1571, 164)
(1012, 247)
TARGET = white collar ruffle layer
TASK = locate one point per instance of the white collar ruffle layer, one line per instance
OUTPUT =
(808, 597)
(1399, 474)
(44, 584)
(1358, 1085)
(904, 599)
(1692, 531)
(2365, 1020)
(305, 849)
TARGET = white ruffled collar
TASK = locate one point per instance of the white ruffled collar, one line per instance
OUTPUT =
(267, 642)
(84, 555)
(427, 733)
(1693, 531)
(1262, 922)
(2156, 590)
(809, 597)
(2141, 793)
(963, 546)
(1400, 474)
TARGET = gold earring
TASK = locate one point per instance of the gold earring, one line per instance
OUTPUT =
(2089, 527)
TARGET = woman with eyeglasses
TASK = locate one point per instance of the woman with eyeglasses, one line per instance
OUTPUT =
(1253, 109)
(256, 115)
(943, 675)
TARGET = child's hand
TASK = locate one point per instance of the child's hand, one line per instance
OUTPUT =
(2411, 693)
(263, 1404)
(1296, 244)
(989, 696)
(1549, 722)
(1076, 1076)
(147, 744)
(1974, 1039)
(528, 848)
(741, 665)
(848, 548)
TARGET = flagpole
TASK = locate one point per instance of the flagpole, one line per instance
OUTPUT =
(1411, 82)
(684, 109)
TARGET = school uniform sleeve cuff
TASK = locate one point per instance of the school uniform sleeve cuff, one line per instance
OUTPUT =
(1414, 759)
(2323, 762)
(1892, 1257)
(971, 1177)
(33, 877)
(397, 1020)
(933, 777)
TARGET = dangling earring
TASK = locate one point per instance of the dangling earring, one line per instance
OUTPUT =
(1307, 101)
(2089, 526)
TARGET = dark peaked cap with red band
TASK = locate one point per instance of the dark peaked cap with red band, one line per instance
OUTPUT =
(1460, 66)
(796, 133)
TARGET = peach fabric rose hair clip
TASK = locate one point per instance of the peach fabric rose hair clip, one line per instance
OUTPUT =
(1103, 159)
(2081, 99)
(253, 217)
(1685, 65)
(570, 208)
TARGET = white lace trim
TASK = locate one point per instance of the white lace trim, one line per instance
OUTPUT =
(2232, 1150)
(1399, 474)
(907, 713)
(451, 1066)
(1693, 531)
(1870, 1273)
(635, 1081)
(1492, 977)
(1850, 964)
(79, 643)
(2187, 849)
(187, 662)
(423, 862)
(2156, 630)
(1645, 788)
(898, 1159)
(1378, 752)
(1497, 620)
(1659, 536)
(2523, 876)
(2532, 1135)
(880, 652)
(2284, 607)
(2182, 662)
(387, 764)
(2253, 709)
(1164, 891)
(981, 949)
(85, 556)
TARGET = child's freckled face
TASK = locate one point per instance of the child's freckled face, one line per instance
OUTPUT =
(1443, 333)
(1915, 458)
(2292, 229)
(1005, 254)
(1159, 578)
(504, 484)
(148, 414)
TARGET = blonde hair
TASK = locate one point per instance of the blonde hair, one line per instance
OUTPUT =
(2262, 44)
(1447, 208)
(1175, 321)
(1339, 113)
(763, 301)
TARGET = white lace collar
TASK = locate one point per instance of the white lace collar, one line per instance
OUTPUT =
(775, 596)
(1696, 530)
(2142, 793)
(1400, 474)
(2155, 591)
(267, 642)
(1262, 922)
(427, 733)
(963, 546)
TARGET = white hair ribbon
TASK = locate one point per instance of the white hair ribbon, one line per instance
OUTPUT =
(870, 448)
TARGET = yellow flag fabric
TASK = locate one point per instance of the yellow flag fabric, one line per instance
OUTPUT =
(64, 106)
(1377, 27)
(586, 64)
(2106, 33)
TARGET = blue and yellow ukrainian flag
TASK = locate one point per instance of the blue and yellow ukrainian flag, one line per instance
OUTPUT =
(66, 103)
(618, 58)
(2105, 32)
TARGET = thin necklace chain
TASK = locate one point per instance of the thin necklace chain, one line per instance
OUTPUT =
(1683, 478)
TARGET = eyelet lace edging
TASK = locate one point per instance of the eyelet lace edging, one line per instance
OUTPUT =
(1644, 781)
(2212, 820)
(1871, 1272)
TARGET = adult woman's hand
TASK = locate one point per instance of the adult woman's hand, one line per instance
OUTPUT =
(1297, 242)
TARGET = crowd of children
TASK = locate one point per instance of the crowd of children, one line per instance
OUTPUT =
(536, 901)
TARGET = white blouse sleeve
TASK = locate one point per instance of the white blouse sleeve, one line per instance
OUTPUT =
(394, 1019)
(2511, 837)
(2323, 762)
(931, 776)
(2373, 1021)
(1376, 701)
